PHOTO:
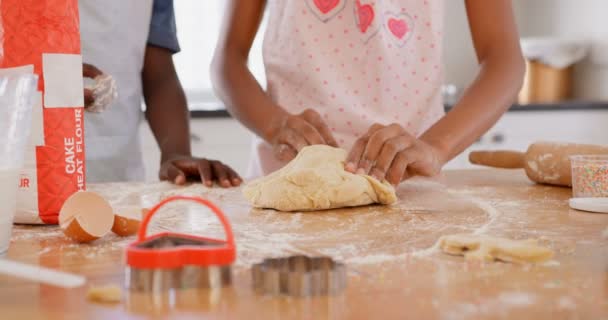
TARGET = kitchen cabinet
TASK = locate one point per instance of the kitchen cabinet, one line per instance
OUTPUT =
(226, 140)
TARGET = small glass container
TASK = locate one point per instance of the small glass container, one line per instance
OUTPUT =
(589, 176)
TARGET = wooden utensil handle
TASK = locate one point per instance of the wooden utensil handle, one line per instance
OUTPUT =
(498, 159)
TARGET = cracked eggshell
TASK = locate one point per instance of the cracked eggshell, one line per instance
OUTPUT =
(85, 217)
(127, 220)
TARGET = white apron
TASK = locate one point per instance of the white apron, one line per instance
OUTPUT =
(114, 35)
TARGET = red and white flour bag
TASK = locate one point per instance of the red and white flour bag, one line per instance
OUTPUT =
(44, 36)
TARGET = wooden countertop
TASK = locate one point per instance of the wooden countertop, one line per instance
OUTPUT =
(390, 274)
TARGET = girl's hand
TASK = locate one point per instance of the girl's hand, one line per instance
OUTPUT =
(298, 131)
(391, 153)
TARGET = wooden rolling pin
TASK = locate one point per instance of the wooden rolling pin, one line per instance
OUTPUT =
(544, 162)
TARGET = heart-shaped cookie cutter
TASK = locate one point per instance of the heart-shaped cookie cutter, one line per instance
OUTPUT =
(299, 276)
(168, 260)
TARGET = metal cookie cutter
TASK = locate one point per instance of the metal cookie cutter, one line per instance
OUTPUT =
(176, 261)
(299, 276)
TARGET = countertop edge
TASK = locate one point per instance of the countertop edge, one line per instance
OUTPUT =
(535, 107)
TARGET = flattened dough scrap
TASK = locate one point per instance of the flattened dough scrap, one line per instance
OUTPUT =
(105, 294)
(486, 248)
(316, 180)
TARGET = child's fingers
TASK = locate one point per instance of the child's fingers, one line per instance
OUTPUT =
(404, 177)
(352, 161)
(293, 139)
(284, 152)
(326, 133)
(388, 155)
(425, 163)
(89, 99)
(204, 170)
(418, 161)
(397, 172)
(375, 144)
(356, 152)
(306, 131)
(221, 174)
(315, 119)
(234, 177)
(90, 71)
(171, 173)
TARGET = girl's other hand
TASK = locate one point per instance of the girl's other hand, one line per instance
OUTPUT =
(391, 153)
(298, 131)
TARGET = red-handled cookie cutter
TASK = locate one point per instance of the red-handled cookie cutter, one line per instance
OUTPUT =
(176, 261)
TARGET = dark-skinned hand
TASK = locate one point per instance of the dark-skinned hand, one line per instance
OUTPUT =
(181, 169)
(89, 71)
(298, 131)
(391, 153)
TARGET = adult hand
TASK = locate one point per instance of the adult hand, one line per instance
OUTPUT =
(391, 153)
(89, 71)
(298, 131)
(180, 169)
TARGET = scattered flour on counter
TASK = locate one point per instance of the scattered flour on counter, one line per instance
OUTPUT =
(423, 184)
(486, 206)
(44, 251)
(198, 190)
(296, 219)
(553, 177)
(566, 303)
(375, 259)
(426, 252)
(551, 263)
(490, 210)
(516, 299)
(533, 165)
(38, 232)
(462, 311)
(553, 284)
(254, 244)
(496, 305)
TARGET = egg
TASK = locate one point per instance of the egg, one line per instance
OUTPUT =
(127, 220)
(85, 217)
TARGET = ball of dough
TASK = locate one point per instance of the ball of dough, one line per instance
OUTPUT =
(316, 180)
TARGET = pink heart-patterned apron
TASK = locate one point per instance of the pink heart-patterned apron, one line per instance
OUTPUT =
(356, 62)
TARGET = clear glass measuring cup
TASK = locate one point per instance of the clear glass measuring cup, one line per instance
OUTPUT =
(16, 100)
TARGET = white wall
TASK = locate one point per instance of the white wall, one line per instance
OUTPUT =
(198, 27)
(458, 53)
(565, 18)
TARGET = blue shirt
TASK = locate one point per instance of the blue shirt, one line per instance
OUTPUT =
(163, 31)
